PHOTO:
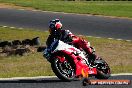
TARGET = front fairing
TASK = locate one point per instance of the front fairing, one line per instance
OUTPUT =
(79, 59)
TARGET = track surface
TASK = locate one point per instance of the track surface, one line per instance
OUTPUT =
(56, 83)
(79, 24)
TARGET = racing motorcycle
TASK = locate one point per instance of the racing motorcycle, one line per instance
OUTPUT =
(68, 62)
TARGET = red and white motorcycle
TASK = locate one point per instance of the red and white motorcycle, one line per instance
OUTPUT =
(68, 62)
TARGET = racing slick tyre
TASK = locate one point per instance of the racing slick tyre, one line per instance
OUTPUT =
(63, 70)
(103, 69)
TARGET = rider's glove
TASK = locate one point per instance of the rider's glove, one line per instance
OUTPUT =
(47, 54)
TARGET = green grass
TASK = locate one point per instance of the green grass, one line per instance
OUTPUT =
(32, 64)
(12, 34)
(116, 53)
(24, 66)
(108, 8)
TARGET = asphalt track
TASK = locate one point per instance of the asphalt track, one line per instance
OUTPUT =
(79, 24)
(56, 83)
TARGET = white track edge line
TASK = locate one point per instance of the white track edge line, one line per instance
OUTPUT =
(46, 77)
(119, 74)
(29, 78)
(112, 17)
(80, 35)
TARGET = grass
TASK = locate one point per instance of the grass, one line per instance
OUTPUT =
(116, 53)
(13, 34)
(107, 8)
(25, 66)
(32, 64)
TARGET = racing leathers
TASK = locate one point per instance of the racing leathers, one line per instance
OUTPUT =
(67, 37)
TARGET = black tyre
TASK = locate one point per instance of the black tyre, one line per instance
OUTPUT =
(63, 70)
(103, 69)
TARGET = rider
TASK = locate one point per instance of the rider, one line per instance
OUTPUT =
(56, 32)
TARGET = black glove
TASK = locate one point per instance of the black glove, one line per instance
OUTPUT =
(47, 53)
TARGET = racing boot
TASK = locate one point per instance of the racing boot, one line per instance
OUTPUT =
(91, 58)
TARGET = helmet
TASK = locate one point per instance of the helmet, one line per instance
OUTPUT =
(55, 25)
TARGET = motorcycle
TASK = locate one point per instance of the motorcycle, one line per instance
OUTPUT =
(68, 62)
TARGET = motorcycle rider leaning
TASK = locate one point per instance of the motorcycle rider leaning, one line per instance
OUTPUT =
(56, 32)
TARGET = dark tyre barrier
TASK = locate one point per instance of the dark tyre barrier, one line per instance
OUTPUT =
(18, 47)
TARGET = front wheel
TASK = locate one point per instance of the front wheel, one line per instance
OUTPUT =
(63, 70)
(103, 69)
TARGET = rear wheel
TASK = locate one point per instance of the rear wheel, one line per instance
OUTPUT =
(63, 70)
(103, 69)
